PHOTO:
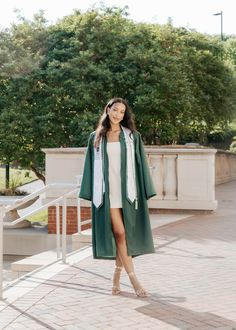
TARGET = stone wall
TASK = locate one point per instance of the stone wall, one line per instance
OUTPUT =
(184, 178)
(225, 166)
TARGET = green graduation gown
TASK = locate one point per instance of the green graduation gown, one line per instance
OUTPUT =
(136, 221)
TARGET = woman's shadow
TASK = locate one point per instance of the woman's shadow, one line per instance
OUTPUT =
(163, 308)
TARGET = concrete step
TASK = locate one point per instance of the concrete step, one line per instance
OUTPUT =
(28, 264)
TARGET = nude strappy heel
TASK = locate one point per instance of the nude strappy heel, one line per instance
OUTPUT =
(139, 290)
(116, 277)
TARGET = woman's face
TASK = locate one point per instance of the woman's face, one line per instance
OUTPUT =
(116, 113)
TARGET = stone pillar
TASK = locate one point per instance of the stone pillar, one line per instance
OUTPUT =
(170, 177)
(157, 172)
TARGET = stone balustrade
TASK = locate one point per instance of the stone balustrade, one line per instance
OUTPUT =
(225, 166)
(184, 177)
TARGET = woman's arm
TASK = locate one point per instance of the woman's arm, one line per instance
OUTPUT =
(87, 179)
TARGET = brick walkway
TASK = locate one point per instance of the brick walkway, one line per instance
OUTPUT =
(191, 278)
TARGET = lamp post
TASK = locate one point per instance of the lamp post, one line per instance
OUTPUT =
(221, 23)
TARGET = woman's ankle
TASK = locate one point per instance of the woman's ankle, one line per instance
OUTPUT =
(138, 288)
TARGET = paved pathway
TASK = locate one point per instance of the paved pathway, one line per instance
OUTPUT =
(191, 278)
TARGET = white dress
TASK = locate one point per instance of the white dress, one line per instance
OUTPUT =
(114, 158)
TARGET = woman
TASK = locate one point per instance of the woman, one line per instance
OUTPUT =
(116, 179)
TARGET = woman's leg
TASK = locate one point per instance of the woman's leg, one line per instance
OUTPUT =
(118, 260)
(119, 233)
(116, 275)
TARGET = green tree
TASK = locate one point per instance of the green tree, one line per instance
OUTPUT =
(180, 83)
(21, 52)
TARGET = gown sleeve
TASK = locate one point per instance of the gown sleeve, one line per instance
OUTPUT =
(87, 178)
(147, 179)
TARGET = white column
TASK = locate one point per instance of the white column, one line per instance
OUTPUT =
(58, 229)
(157, 173)
(170, 177)
(79, 226)
(64, 223)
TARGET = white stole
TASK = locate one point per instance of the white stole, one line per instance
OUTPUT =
(98, 177)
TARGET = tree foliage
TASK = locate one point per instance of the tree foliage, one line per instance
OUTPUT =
(55, 80)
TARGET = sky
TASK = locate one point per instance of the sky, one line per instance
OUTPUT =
(193, 14)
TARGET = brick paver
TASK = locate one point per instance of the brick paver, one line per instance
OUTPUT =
(191, 278)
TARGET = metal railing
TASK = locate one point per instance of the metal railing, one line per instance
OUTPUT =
(57, 202)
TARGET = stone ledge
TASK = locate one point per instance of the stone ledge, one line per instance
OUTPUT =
(23, 266)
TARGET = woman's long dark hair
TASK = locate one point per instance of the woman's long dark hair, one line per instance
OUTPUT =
(104, 122)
